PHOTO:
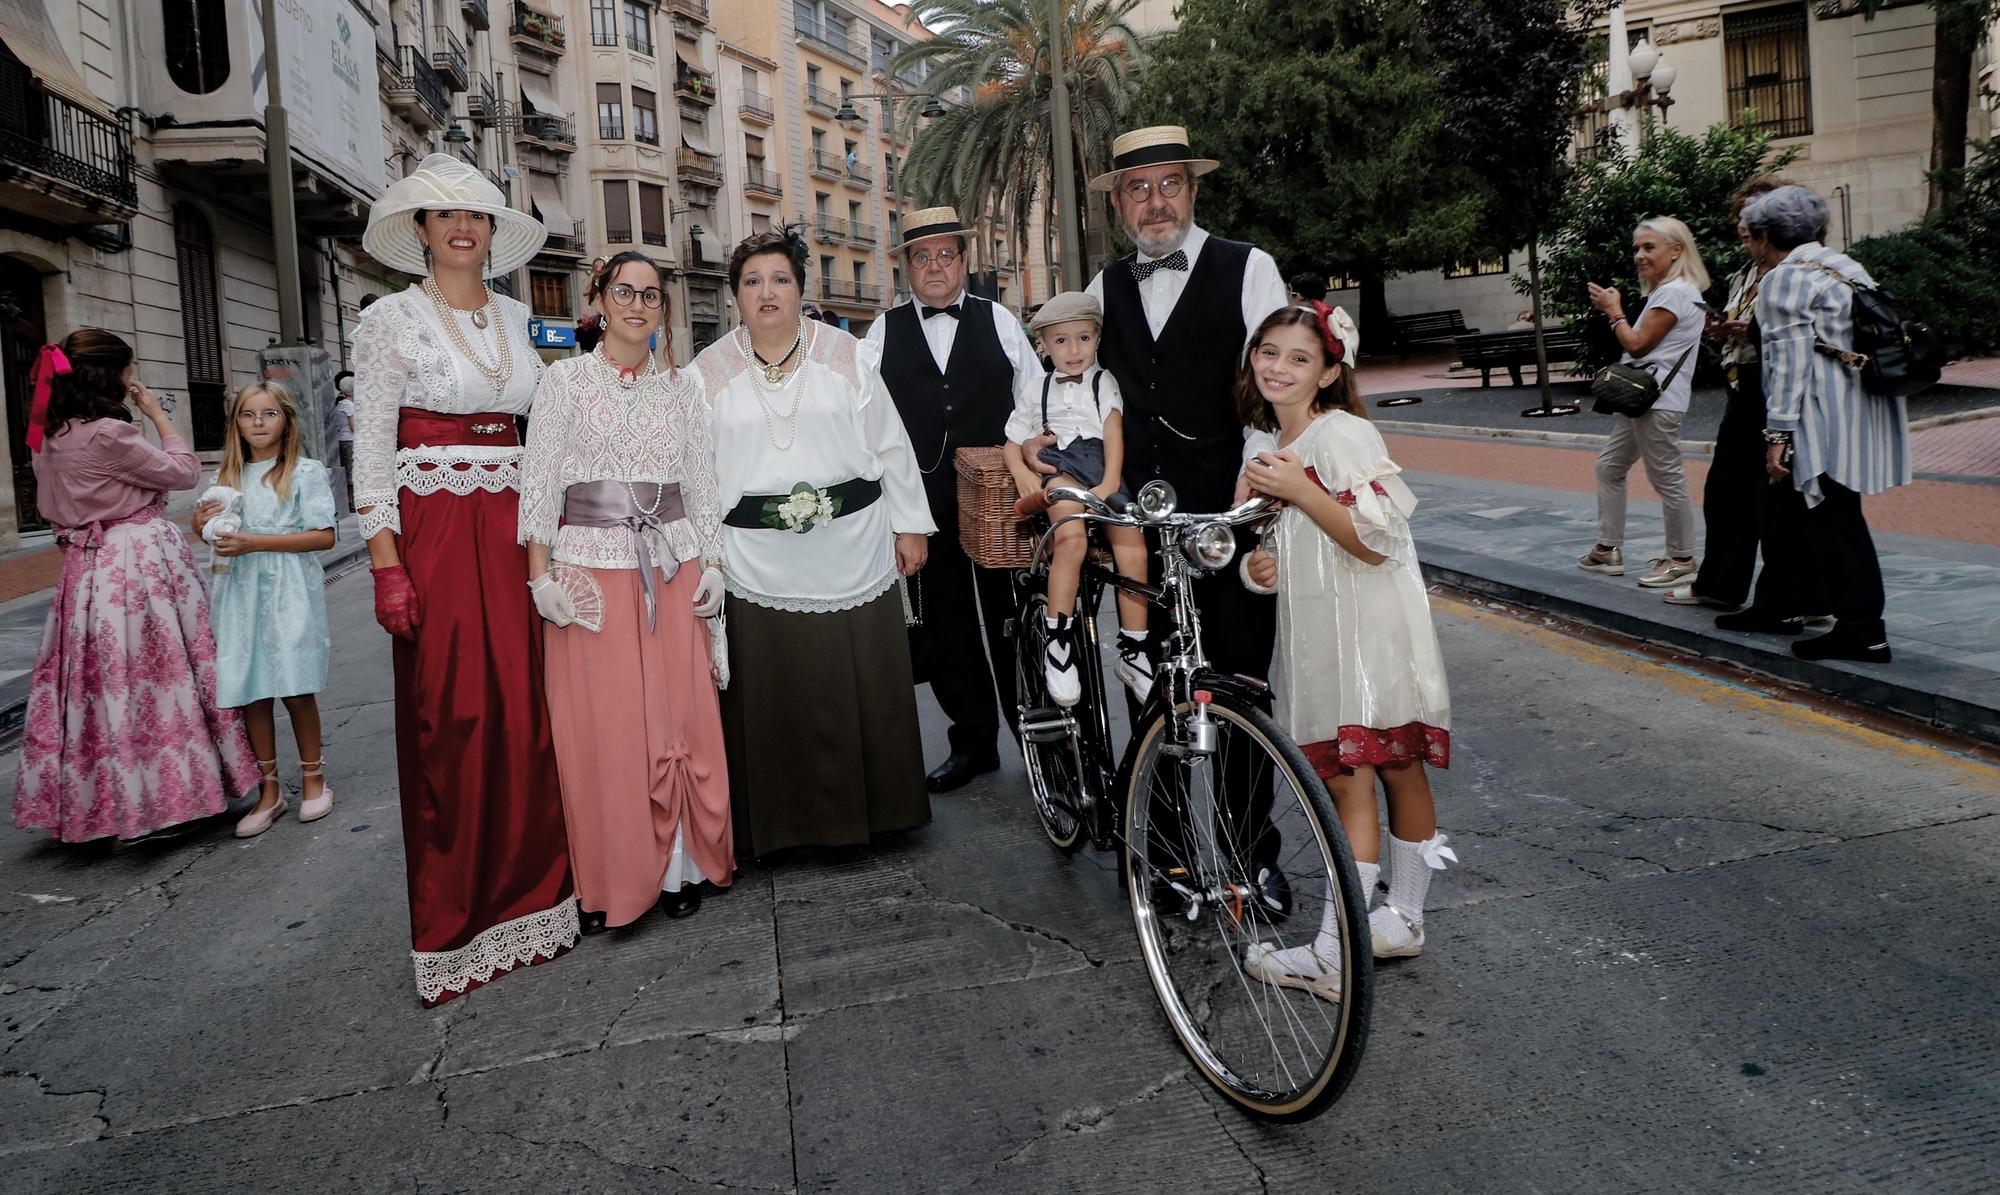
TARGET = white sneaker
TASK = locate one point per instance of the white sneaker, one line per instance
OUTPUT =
(1134, 667)
(1059, 664)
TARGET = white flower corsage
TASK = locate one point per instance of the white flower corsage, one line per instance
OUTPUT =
(805, 508)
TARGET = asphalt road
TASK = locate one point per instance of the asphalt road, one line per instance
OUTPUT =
(1699, 937)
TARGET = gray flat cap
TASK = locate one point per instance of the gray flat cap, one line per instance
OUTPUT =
(1067, 306)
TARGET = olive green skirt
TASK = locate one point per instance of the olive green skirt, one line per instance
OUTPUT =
(820, 724)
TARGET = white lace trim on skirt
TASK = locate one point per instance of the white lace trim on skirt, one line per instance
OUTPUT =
(502, 947)
(806, 605)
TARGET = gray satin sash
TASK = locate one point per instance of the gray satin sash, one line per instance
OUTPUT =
(626, 504)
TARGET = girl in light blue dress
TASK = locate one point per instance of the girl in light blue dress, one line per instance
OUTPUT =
(269, 607)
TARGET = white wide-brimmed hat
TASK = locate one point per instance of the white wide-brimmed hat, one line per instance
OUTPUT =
(1158, 146)
(442, 182)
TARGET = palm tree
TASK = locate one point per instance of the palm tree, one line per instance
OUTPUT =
(991, 157)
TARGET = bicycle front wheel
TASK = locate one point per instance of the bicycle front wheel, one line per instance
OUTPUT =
(1250, 916)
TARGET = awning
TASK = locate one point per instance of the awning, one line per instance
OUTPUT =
(693, 139)
(25, 27)
(537, 93)
(547, 194)
(712, 252)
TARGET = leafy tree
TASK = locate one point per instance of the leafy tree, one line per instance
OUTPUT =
(1511, 71)
(992, 158)
(1961, 29)
(1945, 269)
(1327, 119)
(1671, 174)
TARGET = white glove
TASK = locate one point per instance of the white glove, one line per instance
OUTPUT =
(552, 601)
(708, 594)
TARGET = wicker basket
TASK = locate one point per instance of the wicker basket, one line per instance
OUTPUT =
(987, 528)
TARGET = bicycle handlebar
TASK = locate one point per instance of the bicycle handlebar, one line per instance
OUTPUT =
(1098, 510)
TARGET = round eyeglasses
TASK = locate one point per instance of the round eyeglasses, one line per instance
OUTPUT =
(943, 257)
(1140, 190)
(622, 294)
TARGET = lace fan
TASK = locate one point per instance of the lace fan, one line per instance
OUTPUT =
(584, 595)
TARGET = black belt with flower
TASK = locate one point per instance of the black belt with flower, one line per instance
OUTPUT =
(805, 507)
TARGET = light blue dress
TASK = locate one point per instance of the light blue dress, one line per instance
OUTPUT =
(269, 609)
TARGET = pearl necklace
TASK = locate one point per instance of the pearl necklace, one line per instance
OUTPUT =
(761, 383)
(497, 374)
(775, 370)
(629, 378)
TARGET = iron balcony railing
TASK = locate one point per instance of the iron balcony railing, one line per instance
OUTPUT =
(762, 181)
(826, 40)
(822, 100)
(448, 56)
(539, 30)
(831, 229)
(566, 242)
(421, 77)
(481, 104)
(757, 106)
(554, 130)
(693, 8)
(73, 145)
(695, 85)
(864, 234)
(867, 292)
(693, 162)
(856, 172)
(476, 16)
(824, 161)
(641, 43)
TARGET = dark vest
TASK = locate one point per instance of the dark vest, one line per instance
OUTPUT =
(966, 406)
(1180, 405)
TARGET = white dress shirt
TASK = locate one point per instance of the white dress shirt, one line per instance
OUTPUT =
(941, 332)
(1073, 407)
(1264, 291)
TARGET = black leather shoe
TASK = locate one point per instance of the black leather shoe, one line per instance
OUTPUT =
(958, 769)
(1837, 644)
(1758, 622)
(682, 901)
(592, 923)
(1275, 891)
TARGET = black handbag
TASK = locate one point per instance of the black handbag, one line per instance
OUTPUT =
(1630, 390)
(1896, 356)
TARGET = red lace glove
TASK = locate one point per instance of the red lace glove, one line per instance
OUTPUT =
(396, 601)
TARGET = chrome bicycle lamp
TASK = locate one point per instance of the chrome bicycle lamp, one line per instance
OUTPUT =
(1157, 500)
(1209, 546)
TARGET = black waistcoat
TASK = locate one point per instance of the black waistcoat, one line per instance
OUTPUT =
(1180, 406)
(965, 406)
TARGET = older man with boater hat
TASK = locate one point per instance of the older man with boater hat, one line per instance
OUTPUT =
(950, 360)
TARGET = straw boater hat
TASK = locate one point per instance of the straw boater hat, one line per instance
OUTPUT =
(931, 222)
(1067, 307)
(1157, 146)
(442, 182)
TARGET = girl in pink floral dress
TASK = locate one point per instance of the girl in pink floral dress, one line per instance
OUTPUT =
(124, 737)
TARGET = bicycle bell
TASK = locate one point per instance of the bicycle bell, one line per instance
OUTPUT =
(1157, 500)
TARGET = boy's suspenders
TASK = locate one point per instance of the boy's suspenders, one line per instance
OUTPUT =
(1096, 393)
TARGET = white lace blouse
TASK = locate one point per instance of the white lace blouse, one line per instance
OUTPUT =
(403, 358)
(844, 426)
(587, 427)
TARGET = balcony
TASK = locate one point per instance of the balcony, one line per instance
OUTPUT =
(821, 101)
(862, 234)
(550, 132)
(756, 106)
(698, 166)
(865, 292)
(62, 163)
(832, 42)
(640, 43)
(698, 262)
(481, 105)
(538, 32)
(653, 236)
(476, 16)
(824, 163)
(448, 58)
(698, 9)
(565, 244)
(691, 84)
(759, 181)
(829, 230)
(859, 175)
(415, 91)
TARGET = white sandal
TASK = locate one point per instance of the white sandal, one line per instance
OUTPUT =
(257, 821)
(311, 809)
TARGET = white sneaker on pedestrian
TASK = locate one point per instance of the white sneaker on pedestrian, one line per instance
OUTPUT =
(1059, 663)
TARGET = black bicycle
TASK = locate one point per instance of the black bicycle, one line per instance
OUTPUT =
(1228, 845)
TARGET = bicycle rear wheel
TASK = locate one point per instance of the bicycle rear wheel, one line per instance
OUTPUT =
(1051, 744)
(1196, 836)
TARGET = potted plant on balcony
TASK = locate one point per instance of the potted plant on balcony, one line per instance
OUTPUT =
(558, 38)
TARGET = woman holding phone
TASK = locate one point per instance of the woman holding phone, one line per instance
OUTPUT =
(124, 738)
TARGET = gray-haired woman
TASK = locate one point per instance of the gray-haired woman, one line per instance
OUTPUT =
(1661, 341)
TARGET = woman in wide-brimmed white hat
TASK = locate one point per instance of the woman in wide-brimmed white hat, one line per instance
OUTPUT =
(443, 371)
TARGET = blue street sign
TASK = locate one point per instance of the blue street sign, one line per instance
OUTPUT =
(551, 336)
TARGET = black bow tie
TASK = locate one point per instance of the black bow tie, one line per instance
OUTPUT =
(1177, 260)
(1071, 379)
(951, 311)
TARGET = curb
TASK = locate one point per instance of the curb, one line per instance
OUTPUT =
(338, 561)
(1471, 431)
(1875, 687)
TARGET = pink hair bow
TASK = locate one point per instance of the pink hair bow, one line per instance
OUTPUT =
(50, 363)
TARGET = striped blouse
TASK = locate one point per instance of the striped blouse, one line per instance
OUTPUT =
(1839, 429)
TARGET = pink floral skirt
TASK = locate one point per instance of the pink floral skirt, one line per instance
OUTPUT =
(123, 733)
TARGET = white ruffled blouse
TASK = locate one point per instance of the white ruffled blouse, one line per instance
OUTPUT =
(844, 426)
(404, 358)
(587, 427)
(1355, 642)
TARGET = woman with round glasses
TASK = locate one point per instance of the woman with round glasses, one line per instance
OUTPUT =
(442, 372)
(619, 513)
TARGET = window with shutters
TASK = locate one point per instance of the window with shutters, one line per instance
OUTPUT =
(645, 116)
(549, 293)
(610, 112)
(639, 27)
(1770, 76)
(201, 326)
(653, 213)
(604, 22)
(617, 211)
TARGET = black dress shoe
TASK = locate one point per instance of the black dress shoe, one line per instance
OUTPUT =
(958, 769)
(1758, 622)
(682, 901)
(1839, 644)
(592, 923)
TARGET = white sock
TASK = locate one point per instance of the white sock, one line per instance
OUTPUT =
(1054, 622)
(1135, 636)
(1409, 878)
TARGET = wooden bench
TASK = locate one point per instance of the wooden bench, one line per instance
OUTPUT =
(1429, 327)
(1488, 351)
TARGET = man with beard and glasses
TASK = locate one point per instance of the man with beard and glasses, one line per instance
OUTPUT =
(1177, 315)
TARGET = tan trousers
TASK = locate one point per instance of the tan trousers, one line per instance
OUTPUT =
(1655, 438)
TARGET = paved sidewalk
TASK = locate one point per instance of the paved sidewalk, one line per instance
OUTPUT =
(1508, 520)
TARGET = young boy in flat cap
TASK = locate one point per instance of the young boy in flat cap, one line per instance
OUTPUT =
(1079, 404)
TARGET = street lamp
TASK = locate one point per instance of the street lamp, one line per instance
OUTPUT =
(1652, 80)
(849, 118)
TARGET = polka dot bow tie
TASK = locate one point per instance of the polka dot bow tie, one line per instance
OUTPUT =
(1177, 260)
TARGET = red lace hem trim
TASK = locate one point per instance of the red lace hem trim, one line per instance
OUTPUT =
(1344, 497)
(1366, 747)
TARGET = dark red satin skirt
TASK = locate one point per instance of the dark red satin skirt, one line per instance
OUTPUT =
(482, 814)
